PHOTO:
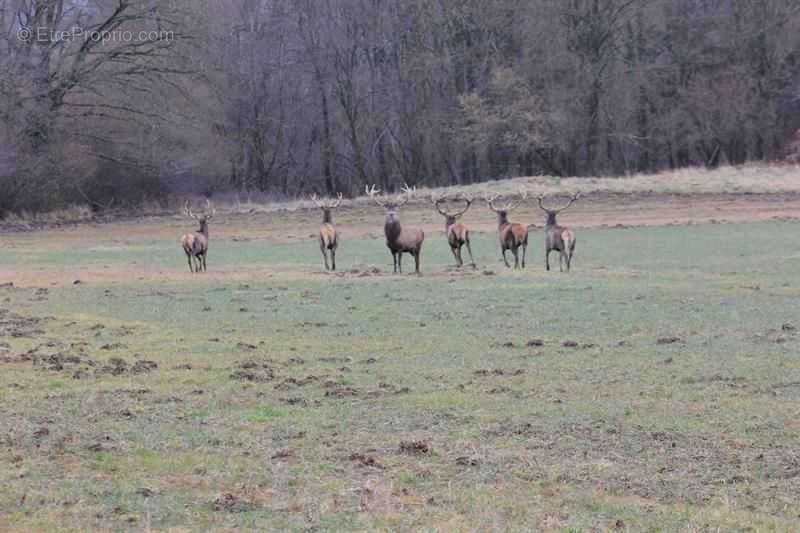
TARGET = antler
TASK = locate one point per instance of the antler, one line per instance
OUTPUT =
(372, 193)
(540, 198)
(409, 192)
(327, 204)
(523, 194)
(437, 200)
(571, 201)
(443, 197)
(187, 210)
(467, 204)
(490, 199)
(212, 208)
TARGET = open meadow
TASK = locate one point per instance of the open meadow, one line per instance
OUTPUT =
(656, 387)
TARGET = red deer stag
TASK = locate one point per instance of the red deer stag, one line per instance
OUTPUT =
(328, 238)
(511, 235)
(399, 239)
(196, 244)
(558, 238)
(457, 233)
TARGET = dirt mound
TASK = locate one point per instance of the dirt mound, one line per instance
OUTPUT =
(230, 503)
(14, 325)
(414, 447)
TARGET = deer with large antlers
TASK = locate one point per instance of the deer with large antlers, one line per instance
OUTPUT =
(512, 236)
(399, 239)
(195, 244)
(457, 233)
(328, 238)
(558, 238)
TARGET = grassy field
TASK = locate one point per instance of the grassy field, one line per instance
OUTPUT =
(654, 388)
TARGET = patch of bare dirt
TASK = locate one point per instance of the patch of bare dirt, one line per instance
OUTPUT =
(467, 461)
(294, 382)
(365, 461)
(670, 467)
(255, 374)
(15, 325)
(341, 391)
(230, 503)
(499, 372)
(414, 447)
(335, 360)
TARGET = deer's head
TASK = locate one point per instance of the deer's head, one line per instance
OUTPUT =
(552, 213)
(202, 218)
(503, 210)
(390, 205)
(450, 217)
(327, 206)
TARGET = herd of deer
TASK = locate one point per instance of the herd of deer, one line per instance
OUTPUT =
(402, 239)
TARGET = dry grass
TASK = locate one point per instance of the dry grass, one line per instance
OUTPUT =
(749, 179)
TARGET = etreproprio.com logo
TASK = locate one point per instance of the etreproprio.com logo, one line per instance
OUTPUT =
(50, 35)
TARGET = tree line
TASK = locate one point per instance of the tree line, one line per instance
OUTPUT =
(112, 102)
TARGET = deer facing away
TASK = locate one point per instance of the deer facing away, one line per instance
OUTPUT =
(457, 233)
(399, 239)
(195, 244)
(558, 238)
(512, 236)
(328, 237)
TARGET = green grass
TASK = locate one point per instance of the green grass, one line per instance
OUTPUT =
(291, 389)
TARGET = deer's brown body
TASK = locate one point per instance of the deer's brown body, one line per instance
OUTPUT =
(558, 238)
(399, 239)
(195, 244)
(512, 236)
(328, 237)
(457, 233)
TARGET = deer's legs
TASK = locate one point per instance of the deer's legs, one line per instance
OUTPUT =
(524, 249)
(416, 261)
(561, 261)
(455, 255)
(205, 268)
(516, 257)
(333, 259)
(394, 261)
(505, 260)
(547, 260)
(189, 258)
(469, 249)
(324, 256)
(400, 262)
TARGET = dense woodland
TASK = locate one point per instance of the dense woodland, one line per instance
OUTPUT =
(111, 102)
